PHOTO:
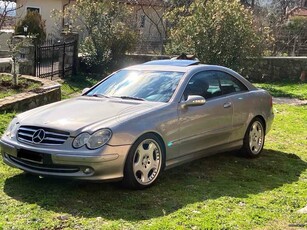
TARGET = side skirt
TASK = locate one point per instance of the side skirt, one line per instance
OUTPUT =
(204, 153)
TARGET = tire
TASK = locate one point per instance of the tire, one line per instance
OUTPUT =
(144, 163)
(254, 138)
(29, 175)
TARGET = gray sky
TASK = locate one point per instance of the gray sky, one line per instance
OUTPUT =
(12, 5)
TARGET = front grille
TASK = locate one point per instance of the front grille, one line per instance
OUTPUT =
(44, 168)
(51, 137)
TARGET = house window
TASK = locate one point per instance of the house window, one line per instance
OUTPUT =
(305, 4)
(142, 22)
(32, 9)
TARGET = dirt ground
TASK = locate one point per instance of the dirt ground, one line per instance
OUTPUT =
(289, 101)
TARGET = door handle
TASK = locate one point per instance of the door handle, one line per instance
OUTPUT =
(227, 105)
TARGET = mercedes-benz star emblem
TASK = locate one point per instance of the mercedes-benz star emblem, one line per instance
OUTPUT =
(38, 136)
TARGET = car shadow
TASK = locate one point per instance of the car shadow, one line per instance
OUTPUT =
(206, 179)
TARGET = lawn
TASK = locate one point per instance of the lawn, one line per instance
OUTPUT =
(74, 85)
(7, 88)
(220, 192)
(292, 90)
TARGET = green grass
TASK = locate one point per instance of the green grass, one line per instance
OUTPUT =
(74, 85)
(24, 86)
(292, 90)
(220, 192)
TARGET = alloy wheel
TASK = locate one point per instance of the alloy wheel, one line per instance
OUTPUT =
(256, 137)
(147, 161)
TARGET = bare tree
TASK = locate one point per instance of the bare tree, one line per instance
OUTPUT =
(250, 3)
(286, 32)
(7, 8)
(153, 12)
(282, 7)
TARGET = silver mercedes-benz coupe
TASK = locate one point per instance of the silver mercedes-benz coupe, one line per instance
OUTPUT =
(139, 121)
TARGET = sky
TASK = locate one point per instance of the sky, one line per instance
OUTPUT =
(12, 5)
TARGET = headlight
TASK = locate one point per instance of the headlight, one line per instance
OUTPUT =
(99, 138)
(94, 141)
(11, 129)
(80, 140)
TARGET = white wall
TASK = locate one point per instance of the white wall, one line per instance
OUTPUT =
(45, 8)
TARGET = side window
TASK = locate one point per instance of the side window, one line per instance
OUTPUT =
(230, 84)
(205, 84)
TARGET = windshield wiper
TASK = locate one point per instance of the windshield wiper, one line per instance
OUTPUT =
(99, 95)
(132, 98)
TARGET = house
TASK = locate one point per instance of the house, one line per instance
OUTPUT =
(150, 23)
(300, 11)
(146, 16)
(300, 39)
(8, 23)
(44, 8)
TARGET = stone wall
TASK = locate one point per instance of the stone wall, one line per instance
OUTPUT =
(25, 58)
(49, 92)
(4, 37)
(267, 69)
(5, 65)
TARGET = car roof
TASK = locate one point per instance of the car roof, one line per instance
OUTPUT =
(171, 62)
(167, 65)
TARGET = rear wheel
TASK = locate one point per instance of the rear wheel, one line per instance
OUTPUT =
(254, 139)
(144, 162)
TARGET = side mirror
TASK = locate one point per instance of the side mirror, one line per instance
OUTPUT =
(194, 100)
(85, 90)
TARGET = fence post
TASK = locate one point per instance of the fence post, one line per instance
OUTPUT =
(75, 55)
(39, 60)
(63, 61)
(35, 60)
(52, 60)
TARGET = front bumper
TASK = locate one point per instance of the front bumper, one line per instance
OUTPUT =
(107, 163)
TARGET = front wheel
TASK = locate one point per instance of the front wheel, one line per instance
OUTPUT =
(144, 162)
(254, 139)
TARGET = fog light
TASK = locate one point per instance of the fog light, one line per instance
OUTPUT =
(88, 170)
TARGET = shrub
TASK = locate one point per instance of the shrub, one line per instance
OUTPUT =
(218, 32)
(36, 26)
(108, 33)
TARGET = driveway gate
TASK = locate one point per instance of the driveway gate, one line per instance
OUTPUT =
(56, 59)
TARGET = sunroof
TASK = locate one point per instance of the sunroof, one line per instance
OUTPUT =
(182, 63)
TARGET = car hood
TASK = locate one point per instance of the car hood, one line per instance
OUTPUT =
(79, 113)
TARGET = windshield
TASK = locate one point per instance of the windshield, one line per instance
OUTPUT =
(140, 85)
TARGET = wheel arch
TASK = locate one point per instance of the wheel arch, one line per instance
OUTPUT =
(129, 179)
(156, 135)
(263, 121)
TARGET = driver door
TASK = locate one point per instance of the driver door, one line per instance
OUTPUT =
(208, 125)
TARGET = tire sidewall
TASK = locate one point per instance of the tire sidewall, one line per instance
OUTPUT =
(129, 179)
(246, 147)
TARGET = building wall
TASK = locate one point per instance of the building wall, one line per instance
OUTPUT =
(150, 38)
(45, 8)
(149, 30)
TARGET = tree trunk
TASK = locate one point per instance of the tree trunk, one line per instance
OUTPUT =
(15, 78)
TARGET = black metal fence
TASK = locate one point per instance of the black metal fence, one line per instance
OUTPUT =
(56, 59)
